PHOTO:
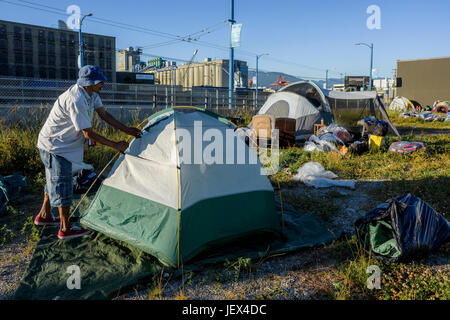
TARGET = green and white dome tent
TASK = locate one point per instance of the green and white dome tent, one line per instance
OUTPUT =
(157, 200)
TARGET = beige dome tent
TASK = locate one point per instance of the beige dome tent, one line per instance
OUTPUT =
(301, 106)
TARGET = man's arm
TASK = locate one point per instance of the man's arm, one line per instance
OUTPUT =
(107, 117)
(89, 133)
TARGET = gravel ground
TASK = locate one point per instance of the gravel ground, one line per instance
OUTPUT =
(300, 275)
(15, 255)
(13, 262)
(353, 204)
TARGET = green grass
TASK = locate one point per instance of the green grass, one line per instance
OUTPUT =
(425, 173)
(413, 282)
(18, 150)
(377, 165)
(413, 122)
(399, 281)
(241, 265)
(14, 223)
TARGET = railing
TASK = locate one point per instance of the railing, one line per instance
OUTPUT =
(26, 94)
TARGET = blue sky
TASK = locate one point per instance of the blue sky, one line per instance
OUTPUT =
(303, 38)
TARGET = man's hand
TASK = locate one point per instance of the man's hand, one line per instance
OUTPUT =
(121, 146)
(135, 132)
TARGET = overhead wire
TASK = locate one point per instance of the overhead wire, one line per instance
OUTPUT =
(171, 36)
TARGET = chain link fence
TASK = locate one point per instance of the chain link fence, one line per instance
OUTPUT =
(27, 100)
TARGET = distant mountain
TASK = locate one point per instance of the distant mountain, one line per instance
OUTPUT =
(267, 78)
(331, 82)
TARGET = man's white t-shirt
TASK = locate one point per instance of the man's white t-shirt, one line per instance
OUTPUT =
(71, 113)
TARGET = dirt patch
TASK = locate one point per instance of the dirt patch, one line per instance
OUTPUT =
(348, 204)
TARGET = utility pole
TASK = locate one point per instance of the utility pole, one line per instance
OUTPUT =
(80, 39)
(371, 66)
(231, 67)
(370, 46)
(257, 82)
(326, 80)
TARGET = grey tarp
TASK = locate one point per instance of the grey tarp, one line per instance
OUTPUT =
(109, 267)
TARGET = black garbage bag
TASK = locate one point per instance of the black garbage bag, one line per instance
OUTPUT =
(84, 180)
(402, 228)
(375, 126)
(360, 146)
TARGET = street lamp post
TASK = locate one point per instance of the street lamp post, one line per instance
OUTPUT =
(370, 46)
(80, 39)
(257, 83)
(231, 66)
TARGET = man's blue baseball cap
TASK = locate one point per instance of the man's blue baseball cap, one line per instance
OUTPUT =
(90, 75)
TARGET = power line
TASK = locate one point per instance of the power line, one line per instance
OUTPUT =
(115, 24)
(106, 21)
(190, 37)
(174, 38)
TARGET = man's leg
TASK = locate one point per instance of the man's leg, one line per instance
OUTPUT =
(44, 217)
(46, 209)
(64, 216)
(61, 197)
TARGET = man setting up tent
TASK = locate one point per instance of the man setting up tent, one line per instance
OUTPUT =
(61, 142)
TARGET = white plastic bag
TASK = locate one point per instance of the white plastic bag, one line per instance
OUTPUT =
(310, 146)
(320, 145)
(77, 167)
(313, 174)
(313, 169)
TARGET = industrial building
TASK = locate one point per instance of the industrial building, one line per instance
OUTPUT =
(202, 74)
(129, 60)
(49, 53)
(424, 80)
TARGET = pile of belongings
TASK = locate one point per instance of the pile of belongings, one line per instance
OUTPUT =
(374, 131)
(405, 147)
(447, 117)
(11, 187)
(402, 228)
(329, 138)
(426, 116)
(372, 125)
(313, 174)
(86, 180)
